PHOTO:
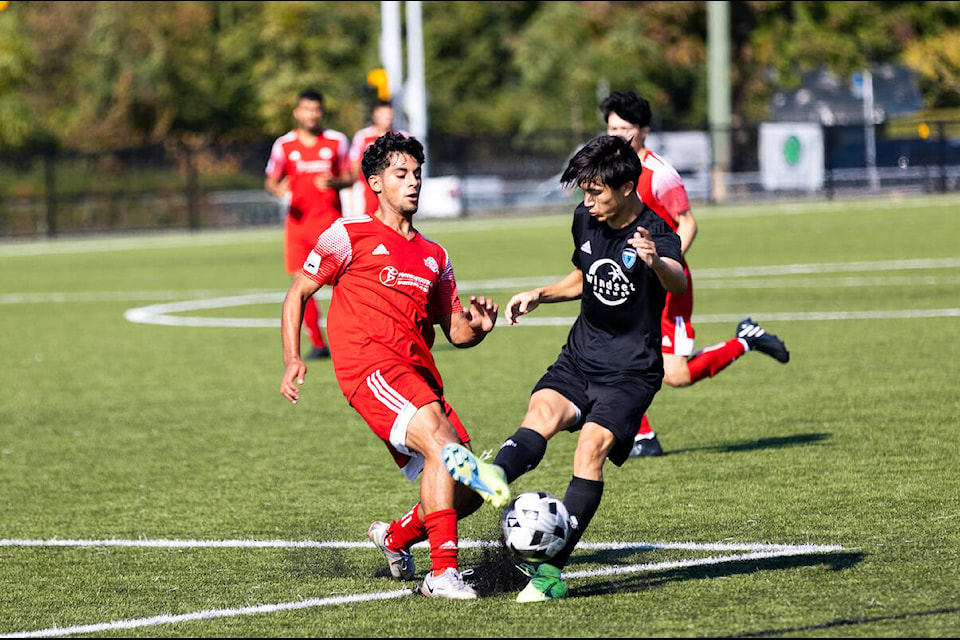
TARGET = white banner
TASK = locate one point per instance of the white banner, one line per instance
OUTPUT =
(791, 156)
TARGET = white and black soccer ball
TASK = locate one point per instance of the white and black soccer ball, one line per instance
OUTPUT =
(535, 526)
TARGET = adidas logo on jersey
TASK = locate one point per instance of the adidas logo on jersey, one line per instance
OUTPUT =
(585, 247)
(381, 251)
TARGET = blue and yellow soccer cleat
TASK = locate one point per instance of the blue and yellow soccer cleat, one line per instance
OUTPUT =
(545, 583)
(486, 479)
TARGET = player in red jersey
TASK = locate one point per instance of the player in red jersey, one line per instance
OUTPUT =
(381, 117)
(391, 286)
(628, 115)
(307, 168)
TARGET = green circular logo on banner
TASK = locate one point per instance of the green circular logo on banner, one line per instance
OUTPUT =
(791, 151)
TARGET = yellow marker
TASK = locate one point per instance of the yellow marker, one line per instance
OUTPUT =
(377, 78)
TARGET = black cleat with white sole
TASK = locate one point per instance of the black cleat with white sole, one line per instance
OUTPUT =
(759, 340)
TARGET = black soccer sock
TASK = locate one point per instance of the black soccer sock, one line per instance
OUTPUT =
(520, 453)
(582, 501)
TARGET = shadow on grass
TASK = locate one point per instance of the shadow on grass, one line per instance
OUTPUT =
(800, 439)
(496, 571)
(647, 580)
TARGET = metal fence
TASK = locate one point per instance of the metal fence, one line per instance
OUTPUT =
(49, 194)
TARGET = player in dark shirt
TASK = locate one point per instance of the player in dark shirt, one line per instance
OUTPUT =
(626, 258)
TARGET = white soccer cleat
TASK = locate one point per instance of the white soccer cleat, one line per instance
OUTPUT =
(448, 584)
(401, 562)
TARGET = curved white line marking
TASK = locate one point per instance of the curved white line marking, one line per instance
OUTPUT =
(161, 314)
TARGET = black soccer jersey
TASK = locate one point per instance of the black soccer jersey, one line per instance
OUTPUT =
(618, 330)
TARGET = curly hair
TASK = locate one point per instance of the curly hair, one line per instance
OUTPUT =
(377, 156)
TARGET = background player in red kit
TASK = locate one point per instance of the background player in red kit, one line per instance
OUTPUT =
(307, 168)
(390, 287)
(628, 115)
(381, 118)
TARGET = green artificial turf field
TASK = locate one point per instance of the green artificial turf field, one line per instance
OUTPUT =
(154, 483)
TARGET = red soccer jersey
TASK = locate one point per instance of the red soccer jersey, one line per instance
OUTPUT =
(387, 294)
(362, 139)
(300, 163)
(661, 188)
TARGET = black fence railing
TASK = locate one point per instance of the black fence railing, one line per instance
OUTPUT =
(48, 194)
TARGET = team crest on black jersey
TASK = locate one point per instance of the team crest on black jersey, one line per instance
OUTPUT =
(629, 258)
(610, 285)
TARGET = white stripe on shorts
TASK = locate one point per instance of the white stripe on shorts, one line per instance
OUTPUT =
(405, 411)
(385, 393)
(682, 344)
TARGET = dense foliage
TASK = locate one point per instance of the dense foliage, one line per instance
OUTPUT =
(103, 75)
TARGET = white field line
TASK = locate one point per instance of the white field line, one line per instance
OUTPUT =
(138, 242)
(751, 552)
(272, 295)
(167, 543)
(159, 314)
(757, 277)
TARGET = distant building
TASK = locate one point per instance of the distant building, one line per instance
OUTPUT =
(827, 99)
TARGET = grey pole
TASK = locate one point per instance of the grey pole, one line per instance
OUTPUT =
(718, 53)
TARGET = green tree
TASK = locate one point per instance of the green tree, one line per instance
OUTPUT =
(468, 46)
(17, 64)
(102, 75)
(329, 46)
(937, 60)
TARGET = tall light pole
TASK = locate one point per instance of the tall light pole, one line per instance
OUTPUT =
(408, 93)
(391, 55)
(869, 130)
(718, 50)
(415, 94)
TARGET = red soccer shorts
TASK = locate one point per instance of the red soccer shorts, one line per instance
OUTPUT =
(675, 322)
(388, 401)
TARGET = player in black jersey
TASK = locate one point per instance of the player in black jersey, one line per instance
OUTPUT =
(625, 259)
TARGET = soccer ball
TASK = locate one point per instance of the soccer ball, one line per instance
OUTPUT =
(535, 526)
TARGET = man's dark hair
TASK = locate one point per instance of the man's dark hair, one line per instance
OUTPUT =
(377, 156)
(629, 106)
(606, 160)
(310, 94)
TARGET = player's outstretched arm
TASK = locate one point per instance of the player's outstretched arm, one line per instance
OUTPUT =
(570, 288)
(522, 303)
(471, 326)
(291, 317)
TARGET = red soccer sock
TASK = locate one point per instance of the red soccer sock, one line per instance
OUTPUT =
(311, 323)
(715, 359)
(645, 427)
(442, 532)
(407, 531)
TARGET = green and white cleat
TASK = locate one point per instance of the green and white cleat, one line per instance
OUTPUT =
(485, 478)
(545, 583)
